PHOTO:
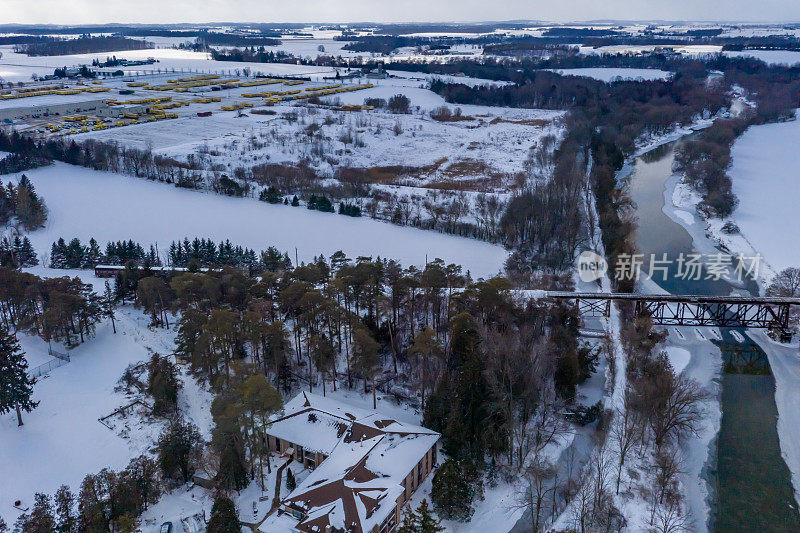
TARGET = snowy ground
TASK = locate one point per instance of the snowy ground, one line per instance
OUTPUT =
(764, 178)
(153, 213)
(493, 141)
(19, 67)
(613, 74)
(62, 440)
(771, 57)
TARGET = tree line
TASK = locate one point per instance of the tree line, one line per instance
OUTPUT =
(85, 44)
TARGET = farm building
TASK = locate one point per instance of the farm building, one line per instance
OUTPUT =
(365, 466)
(54, 105)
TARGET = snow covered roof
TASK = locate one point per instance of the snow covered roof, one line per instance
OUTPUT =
(369, 457)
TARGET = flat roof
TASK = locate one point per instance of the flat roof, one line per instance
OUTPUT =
(50, 100)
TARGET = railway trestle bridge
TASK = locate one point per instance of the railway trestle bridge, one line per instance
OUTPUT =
(689, 310)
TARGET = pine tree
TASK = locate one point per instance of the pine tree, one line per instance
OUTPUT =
(421, 521)
(223, 517)
(270, 195)
(291, 483)
(27, 255)
(179, 449)
(58, 254)
(427, 523)
(16, 386)
(29, 207)
(3, 525)
(93, 255)
(75, 254)
(456, 484)
(295, 201)
(410, 521)
(41, 519)
(108, 305)
(66, 521)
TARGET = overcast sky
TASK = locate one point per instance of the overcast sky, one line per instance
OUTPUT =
(170, 11)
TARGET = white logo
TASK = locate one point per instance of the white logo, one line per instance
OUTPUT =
(591, 266)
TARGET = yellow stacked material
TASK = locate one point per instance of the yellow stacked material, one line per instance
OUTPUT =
(136, 84)
(197, 78)
(324, 87)
(293, 82)
(256, 83)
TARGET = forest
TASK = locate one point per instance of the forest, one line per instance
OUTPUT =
(85, 44)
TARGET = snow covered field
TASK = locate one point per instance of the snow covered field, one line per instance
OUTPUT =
(770, 57)
(85, 203)
(19, 67)
(489, 144)
(612, 74)
(764, 174)
(62, 440)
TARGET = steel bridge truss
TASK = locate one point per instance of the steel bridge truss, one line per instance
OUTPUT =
(690, 310)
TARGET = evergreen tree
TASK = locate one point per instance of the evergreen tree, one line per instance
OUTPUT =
(3, 525)
(228, 442)
(163, 385)
(456, 484)
(270, 195)
(366, 358)
(66, 521)
(421, 521)
(41, 519)
(27, 255)
(16, 386)
(30, 209)
(75, 254)
(223, 517)
(58, 254)
(427, 522)
(291, 483)
(179, 450)
(409, 523)
(324, 205)
(295, 201)
(93, 255)
(108, 305)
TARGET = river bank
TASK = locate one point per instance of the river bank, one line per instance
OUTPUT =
(780, 391)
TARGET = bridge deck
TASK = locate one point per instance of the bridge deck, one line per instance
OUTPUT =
(677, 298)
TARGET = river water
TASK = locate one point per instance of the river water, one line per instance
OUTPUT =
(750, 480)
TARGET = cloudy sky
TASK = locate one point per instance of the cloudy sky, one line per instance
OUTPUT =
(168, 11)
